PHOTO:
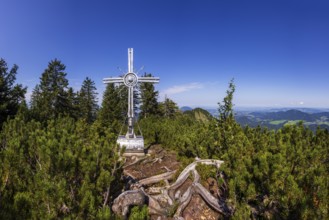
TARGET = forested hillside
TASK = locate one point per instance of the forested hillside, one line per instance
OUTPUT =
(59, 158)
(278, 119)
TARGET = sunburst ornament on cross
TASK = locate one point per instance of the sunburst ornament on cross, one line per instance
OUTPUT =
(133, 144)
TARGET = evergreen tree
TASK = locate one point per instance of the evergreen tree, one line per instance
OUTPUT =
(50, 97)
(226, 109)
(74, 104)
(88, 100)
(168, 108)
(149, 104)
(111, 113)
(11, 95)
(226, 127)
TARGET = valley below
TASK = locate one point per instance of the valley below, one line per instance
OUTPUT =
(276, 118)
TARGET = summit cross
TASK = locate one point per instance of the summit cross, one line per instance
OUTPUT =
(132, 142)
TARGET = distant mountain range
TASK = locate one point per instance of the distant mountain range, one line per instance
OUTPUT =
(275, 118)
(199, 114)
(186, 108)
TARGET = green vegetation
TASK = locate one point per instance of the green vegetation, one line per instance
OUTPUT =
(149, 103)
(206, 171)
(87, 98)
(271, 174)
(277, 122)
(66, 168)
(59, 159)
(294, 122)
(11, 95)
(200, 115)
(50, 97)
(172, 210)
(277, 119)
(139, 213)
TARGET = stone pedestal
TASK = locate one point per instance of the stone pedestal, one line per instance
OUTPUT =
(134, 146)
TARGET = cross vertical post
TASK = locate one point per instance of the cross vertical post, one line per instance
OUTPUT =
(130, 60)
(130, 114)
(130, 132)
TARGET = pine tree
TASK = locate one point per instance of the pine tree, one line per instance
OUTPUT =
(88, 100)
(65, 170)
(11, 95)
(73, 101)
(111, 113)
(168, 108)
(50, 97)
(149, 104)
(226, 109)
(226, 125)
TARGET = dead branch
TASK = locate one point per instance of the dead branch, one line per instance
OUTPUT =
(126, 199)
(136, 162)
(125, 172)
(106, 196)
(184, 201)
(158, 178)
(218, 205)
(161, 198)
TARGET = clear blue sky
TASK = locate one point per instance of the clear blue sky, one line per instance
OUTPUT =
(277, 51)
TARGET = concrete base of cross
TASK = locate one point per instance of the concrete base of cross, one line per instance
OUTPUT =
(134, 146)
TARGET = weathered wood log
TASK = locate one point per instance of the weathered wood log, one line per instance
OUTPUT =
(185, 174)
(184, 201)
(216, 204)
(167, 195)
(154, 190)
(125, 172)
(154, 207)
(158, 178)
(127, 199)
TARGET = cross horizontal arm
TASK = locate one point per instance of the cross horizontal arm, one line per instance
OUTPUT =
(149, 79)
(113, 80)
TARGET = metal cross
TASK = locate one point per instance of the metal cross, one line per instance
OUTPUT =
(130, 79)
